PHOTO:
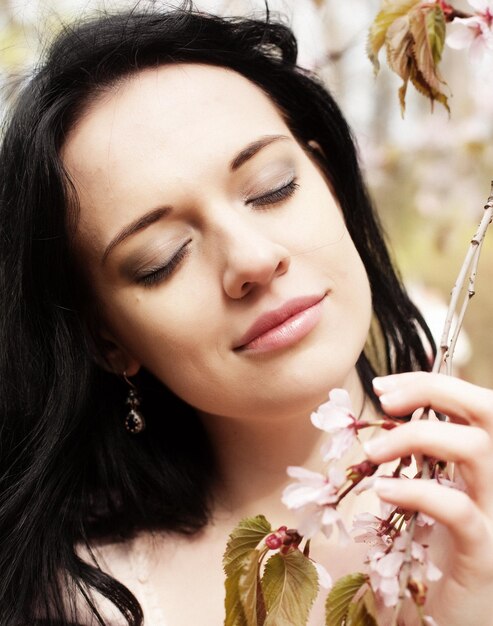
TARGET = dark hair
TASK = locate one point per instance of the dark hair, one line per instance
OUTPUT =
(68, 470)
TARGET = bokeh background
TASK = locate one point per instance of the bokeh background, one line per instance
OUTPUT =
(429, 173)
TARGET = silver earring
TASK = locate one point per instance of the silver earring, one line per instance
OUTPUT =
(134, 421)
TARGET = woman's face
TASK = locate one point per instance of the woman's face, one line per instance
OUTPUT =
(214, 246)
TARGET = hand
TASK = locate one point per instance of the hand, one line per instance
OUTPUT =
(464, 595)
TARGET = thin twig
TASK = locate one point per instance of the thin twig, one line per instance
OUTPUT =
(465, 303)
(445, 356)
(461, 279)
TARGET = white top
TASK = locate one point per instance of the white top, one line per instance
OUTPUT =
(130, 562)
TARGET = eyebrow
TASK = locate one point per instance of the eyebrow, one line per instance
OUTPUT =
(251, 150)
(156, 214)
(139, 224)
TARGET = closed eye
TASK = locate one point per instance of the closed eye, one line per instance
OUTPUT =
(158, 274)
(275, 196)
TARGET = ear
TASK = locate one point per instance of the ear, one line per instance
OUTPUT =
(113, 357)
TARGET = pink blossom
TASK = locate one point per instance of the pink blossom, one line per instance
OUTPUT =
(386, 563)
(312, 487)
(421, 567)
(313, 499)
(371, 529)
(385, 568)
(482, 6)
(336, 417)
(474, 32)
(424, 520)
(324, 578)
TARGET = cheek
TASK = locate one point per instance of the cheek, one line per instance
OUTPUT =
(351, 291)
(162, 330)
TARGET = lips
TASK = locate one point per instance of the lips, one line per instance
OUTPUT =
(267, 323)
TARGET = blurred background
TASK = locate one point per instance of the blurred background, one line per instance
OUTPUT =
(429, 173)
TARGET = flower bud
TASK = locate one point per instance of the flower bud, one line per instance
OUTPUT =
(360, 470)
(273, 541)
(418, 591)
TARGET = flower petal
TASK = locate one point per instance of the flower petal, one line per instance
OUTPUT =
(460, 35)
(331, 419)
(340, 397)
(301, 473)
(298, 495)
(433, 572)
(309, 521)
(390, 564)
(481, 6)
(339, 444)
(324, 578)
(389, 590)
(344, 536)
(337, 477)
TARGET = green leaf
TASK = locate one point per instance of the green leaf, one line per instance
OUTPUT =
(290, 585)
(427, 25)
(391, 10)
(358, 614)
(340, 597)
(370, 602)
(235, 616)
(436, 29)
(244, 538)
(238, 557)
(250, 590)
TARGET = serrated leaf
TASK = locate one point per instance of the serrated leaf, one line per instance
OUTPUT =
(235, 615)
(250, 590)
(369, 600)
(341, 596)
(436, 30)
(399, 44)
(240, 549)
(424, 88)
(358, 615)
(390, 11)
(402, 97)
(290, 585)
(244, 538)
(427, 25)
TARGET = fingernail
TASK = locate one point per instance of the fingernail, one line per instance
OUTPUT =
(375, 446)
(385, 486)
(390, 398)
(382, 384)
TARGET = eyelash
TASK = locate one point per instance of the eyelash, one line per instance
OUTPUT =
(273, 197)
(161, 273)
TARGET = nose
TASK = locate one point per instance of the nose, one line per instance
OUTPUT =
(253, 260)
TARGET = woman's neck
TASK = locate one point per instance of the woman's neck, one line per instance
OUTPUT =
(253, 455)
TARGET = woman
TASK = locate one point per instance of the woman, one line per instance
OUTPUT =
(184, 226)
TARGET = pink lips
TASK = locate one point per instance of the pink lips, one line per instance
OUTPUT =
(283, 326)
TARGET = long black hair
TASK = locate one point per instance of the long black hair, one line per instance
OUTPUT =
(68, 470)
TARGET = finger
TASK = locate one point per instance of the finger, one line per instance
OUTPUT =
(469, 446)
(448, 506)
(400, 394)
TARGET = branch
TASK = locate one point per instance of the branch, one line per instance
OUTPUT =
(472, 252)
(444, 357)
(449, 355)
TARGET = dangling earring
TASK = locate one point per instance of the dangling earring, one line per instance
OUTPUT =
(134, 421)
